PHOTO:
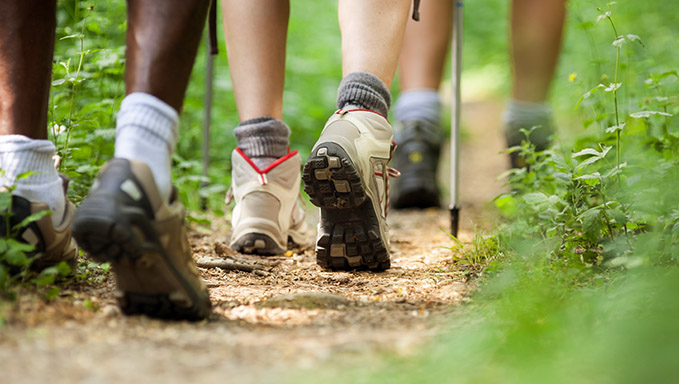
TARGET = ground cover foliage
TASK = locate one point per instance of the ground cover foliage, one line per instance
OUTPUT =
(585, 288)
(583, 284)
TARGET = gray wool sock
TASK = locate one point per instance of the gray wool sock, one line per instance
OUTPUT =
(525, 114)
(263, 139)
(419, 105)
(363, 91)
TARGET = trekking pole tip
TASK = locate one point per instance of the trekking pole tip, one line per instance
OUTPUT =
(454, 219)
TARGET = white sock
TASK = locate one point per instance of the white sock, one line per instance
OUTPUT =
(21, 154)
(147, 131)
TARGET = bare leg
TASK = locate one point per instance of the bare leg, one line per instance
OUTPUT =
(372, 33)
(346, 172)
(537, 27)
(256, 33)
(27, 30)
(425, 46)
(162, 41)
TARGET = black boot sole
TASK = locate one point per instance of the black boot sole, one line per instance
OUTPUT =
(349, 231)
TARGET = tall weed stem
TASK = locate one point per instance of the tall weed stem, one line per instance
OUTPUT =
(615, 101)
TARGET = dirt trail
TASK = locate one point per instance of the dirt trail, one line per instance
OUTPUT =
(258, 333)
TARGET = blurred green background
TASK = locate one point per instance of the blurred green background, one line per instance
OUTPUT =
(85, 102)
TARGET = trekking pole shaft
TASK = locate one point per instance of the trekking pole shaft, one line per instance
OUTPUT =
(456, 72)
(209, 69)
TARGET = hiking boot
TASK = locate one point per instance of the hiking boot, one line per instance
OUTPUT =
(125, 222)
(267, 214)
(52, 245)
(347, 176)
(417, 157)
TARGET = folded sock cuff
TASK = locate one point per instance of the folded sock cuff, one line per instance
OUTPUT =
(154, 119)
(364, 90)
(263, 137)
(20, 154)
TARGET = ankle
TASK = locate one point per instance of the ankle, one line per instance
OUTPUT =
(20, 155)
(147, 131)
(263, 140)
(419, 105)
(364, 91)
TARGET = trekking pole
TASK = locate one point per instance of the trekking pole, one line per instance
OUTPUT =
(211, 49)
(456, 71)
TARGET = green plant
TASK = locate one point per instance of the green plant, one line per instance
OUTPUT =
(593, 207)
(16, 256)
(472, 259)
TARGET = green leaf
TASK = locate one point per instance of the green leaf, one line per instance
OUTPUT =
(589, 161)
(601, 17)
(586, 151)
(535, 198)
(592, 224)
(90, 305)
(94, 27)
(591, 179)
(615, 128)
(31, 218)
(52, 293)
(619, 41)
(594, 156)
(634, 38)
(618, 216)
(15, 253)
(75, 36)
(506, 204)
(636, 127)
(3, 245)
(642, 114)
(47, 276)
(588, 94)
(198, 220)
(613, 87)
(63, 269)
(19, 246)
(5, 202)
(674, 73)
(26, 175)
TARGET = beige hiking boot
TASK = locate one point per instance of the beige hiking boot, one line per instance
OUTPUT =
(267, 213)
(347, 176)
(52, 245)
(124, 221)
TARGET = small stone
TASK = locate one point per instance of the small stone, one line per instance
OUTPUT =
(110, 311)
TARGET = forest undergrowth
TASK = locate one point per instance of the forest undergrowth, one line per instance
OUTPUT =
(579, 277)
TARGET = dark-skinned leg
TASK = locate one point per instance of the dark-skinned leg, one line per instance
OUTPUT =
(162, 40)
(129, 219)
(27, 31)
